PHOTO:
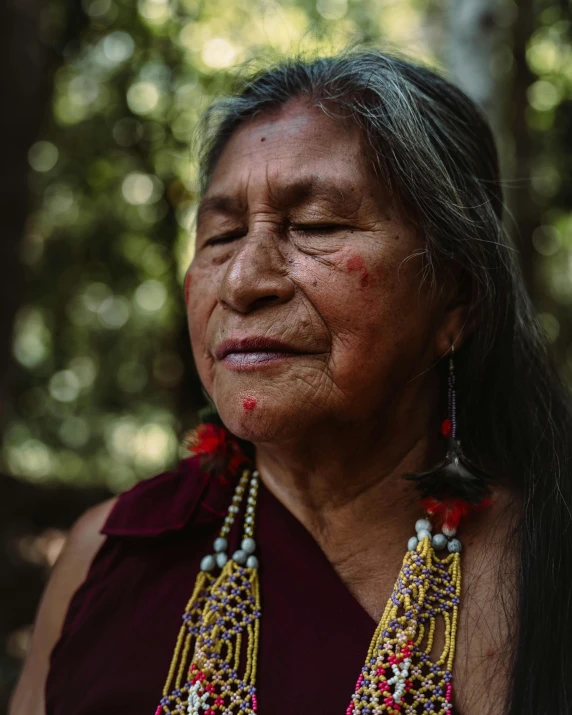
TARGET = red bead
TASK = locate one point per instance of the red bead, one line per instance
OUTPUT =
(447, 428)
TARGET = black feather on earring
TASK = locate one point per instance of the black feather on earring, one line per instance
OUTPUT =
(455, 486)
(456, 477)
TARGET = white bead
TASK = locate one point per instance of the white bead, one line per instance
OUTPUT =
(233, 509)
(455, 546)
(252, 562)
(412, 543)
(423, 534)
(449, 531)
(208, 563)
(220, 544)
(248, 545)
(240, 557)
(422, 524)
(439, 541)
(221, 559)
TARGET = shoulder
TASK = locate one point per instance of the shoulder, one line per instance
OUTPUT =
(71, 568)
(161, 505)
(85, 536)
(167, 502)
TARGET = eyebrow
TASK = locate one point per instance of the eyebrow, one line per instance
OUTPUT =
(219, 204)
(290, 195)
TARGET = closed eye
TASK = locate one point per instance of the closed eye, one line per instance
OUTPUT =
(221, 240)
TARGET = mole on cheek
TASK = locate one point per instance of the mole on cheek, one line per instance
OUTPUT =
(249, 403)
(356, 263)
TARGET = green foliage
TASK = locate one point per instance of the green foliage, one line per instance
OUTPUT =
(549, 116)
(107, 383)
(104, 393)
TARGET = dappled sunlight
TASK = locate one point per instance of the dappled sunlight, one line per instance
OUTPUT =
(114, 185)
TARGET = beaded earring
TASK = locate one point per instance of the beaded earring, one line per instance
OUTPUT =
(402, 673)
(455, 487)
(213, 670)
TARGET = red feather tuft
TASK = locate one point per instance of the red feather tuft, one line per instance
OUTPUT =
(217, 449)
(449, 512)
(206, 439)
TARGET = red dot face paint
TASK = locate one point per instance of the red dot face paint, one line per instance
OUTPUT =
(356, 263)
(187, 287)
(249, 403)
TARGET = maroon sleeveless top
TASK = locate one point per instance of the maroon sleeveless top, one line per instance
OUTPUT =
(120, 630)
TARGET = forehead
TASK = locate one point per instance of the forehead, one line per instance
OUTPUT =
(292, 154)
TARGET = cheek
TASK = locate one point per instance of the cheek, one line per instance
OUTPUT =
(200, 300)
(352, 289)
(369, 303)
(357, 265)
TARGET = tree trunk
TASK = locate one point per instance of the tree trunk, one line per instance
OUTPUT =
(487, 59)
(24, 88)
(524, 206)
(475, 36)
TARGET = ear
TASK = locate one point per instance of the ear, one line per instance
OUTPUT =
(457, 324)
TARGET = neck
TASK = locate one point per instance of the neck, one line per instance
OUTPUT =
(344, 483)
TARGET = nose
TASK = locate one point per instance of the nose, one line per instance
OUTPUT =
(256, 275)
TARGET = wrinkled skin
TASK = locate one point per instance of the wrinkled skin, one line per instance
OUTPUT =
(332, 270)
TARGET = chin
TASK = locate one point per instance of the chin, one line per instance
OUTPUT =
(253, 419)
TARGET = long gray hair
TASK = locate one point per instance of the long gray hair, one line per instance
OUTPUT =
(433, 148)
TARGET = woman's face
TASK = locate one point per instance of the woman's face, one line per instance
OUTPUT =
(306, 304)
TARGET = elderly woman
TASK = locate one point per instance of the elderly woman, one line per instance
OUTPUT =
(350, 273)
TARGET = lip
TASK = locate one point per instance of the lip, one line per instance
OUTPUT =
(261, 346)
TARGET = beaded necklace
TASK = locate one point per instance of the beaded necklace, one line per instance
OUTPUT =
(213, 670)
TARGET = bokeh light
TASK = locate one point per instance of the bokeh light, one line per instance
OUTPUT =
(101, 338)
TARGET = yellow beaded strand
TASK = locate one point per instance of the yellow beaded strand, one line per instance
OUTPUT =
(210, 647)
(400, 676)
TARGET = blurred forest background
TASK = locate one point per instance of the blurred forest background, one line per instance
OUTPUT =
(98, 190)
